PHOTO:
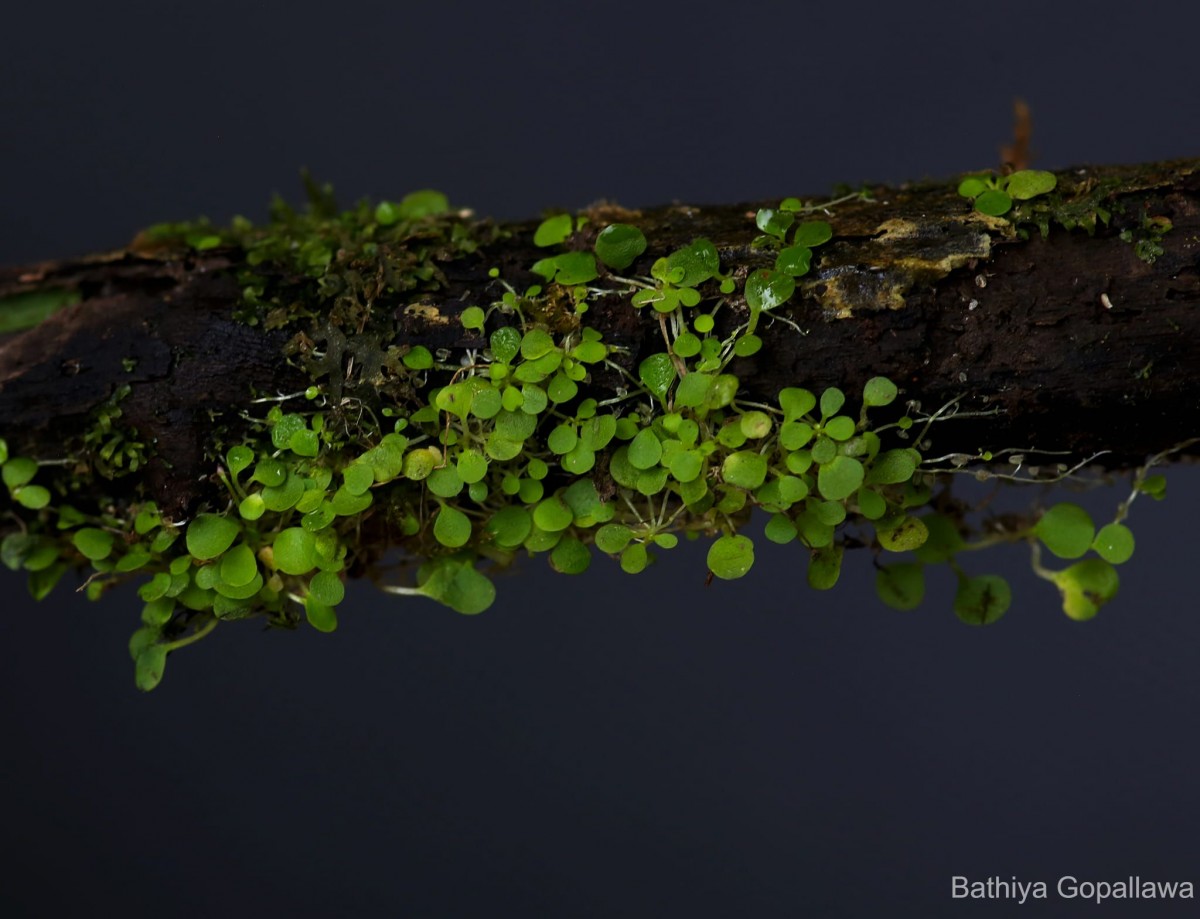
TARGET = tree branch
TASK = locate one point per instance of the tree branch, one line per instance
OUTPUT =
(1064, 329)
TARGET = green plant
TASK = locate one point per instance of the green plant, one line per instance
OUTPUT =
(995, 195)
(469, 461)
(18, 473)
(1147, 239)
(113, 449)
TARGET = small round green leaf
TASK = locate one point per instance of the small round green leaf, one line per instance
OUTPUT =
(879, 391)
(487, 403)
(561, 389)
(305, 443)
(135, 558)
(574, 268)
(645, 450)
(509, 526)
(972, 187)
(909, 535)
(767, 289)
(280, 498)
(94, 543)
(472, 466)
(694, 263)
(893, 467)
(424, 202)
(687, 345)
(451, 527)
(283, 430)
(553, 230)
(239, 566)
(840, 428)
(270, 472)
(589, 352)
(533, 399)
(345, 504)
(319, 517)
(796, 402)
(536, 343)
(830, 513)
(795, 434)
(731, 557)
(1114, 543)
(693, 390)
(149, 667)
(825, 566)
(812, 233)
(794, 261)
(832, 400)
(686, 465)
(445, 482)
(635, 558)
(238, 459)
(321, 616)
(158, 612)
(231, 592)
(871, 504)
(780, 529)
(1066, 530)
(1029, 183)
(901, 586)
(993, 203)
(252, 507)
(553, 515)
(358, 478)
(208, 535)
(472, 318)
(619, 245)
(562, 439)
(456, 583)
(418, 358)
(501, 448)
(774, 223)
(505, 342)
(613, 537)
(745, 469)
(18, 471)
(595, 433)
(839, 478)
(657, 373)
(1086, 586)
(295, 551)
(584, 501)
(570, 556)
(1155, 486)
(982, 600)
(326, 587)
(747, 345)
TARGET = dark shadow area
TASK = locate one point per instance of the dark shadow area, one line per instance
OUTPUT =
(600, 745)
(609, 745)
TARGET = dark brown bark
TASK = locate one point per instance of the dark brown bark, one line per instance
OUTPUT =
(1081, 344)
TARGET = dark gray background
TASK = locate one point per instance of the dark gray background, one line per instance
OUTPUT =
(602, 745)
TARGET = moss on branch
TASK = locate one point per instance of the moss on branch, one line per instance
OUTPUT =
(333, 391)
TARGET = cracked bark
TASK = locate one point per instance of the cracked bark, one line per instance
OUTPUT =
(1072, 340)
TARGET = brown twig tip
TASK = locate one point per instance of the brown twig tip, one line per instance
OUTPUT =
(1016, 156)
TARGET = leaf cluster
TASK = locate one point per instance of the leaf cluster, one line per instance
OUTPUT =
(995, 195)
(513, 450)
